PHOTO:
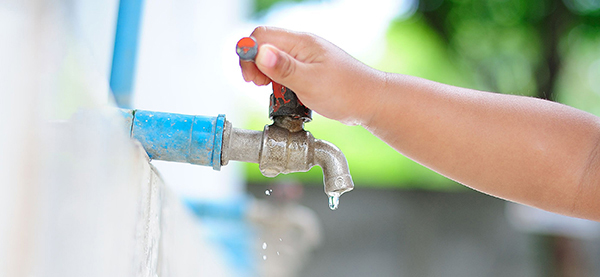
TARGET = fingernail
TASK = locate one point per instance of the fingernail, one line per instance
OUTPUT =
(268, 58)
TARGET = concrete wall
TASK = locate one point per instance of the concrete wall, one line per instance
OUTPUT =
(78, 197)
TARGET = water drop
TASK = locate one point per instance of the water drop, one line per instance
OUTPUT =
(277, 253)
(268, 192)
(334, 202)
(264, 257)
(280, 239)
(264, 245)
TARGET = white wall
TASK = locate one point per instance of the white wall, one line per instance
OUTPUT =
(77, 197)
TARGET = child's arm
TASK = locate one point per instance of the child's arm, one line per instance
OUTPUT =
(524, 149)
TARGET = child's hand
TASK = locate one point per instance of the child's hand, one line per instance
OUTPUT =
(325, 78)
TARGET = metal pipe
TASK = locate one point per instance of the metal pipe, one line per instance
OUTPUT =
(241, 145)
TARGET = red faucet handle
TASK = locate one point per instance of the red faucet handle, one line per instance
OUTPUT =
(284, 102)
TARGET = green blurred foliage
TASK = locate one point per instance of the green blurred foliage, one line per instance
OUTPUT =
(579, 83)
(542, 48)
(413, 48)
(496, 43)
(260, 7)
(508, 46)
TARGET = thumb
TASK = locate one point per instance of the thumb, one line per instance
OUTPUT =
(278, 65)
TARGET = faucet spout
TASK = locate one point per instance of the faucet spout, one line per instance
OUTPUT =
(336, 175)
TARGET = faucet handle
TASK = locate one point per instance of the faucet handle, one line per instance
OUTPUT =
(247, 48)
(284, 102)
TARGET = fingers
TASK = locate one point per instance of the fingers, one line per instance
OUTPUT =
(284, 40)
(279, 66)
(277, 62)
(251, 74)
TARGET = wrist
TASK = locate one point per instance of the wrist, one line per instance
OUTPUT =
(372, 100)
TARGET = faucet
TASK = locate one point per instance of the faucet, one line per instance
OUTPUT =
(285, 147)
(279, 150)
(282, 147)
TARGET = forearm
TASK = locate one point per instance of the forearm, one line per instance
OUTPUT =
(524, 149)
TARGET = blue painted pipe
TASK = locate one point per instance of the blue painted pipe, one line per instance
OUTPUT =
(174, 137)
(125, 51)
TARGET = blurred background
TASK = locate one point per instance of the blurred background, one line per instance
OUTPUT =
(401, 220)
(405, 220)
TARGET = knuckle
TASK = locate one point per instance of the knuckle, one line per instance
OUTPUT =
(309, 39)
(259, 31)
